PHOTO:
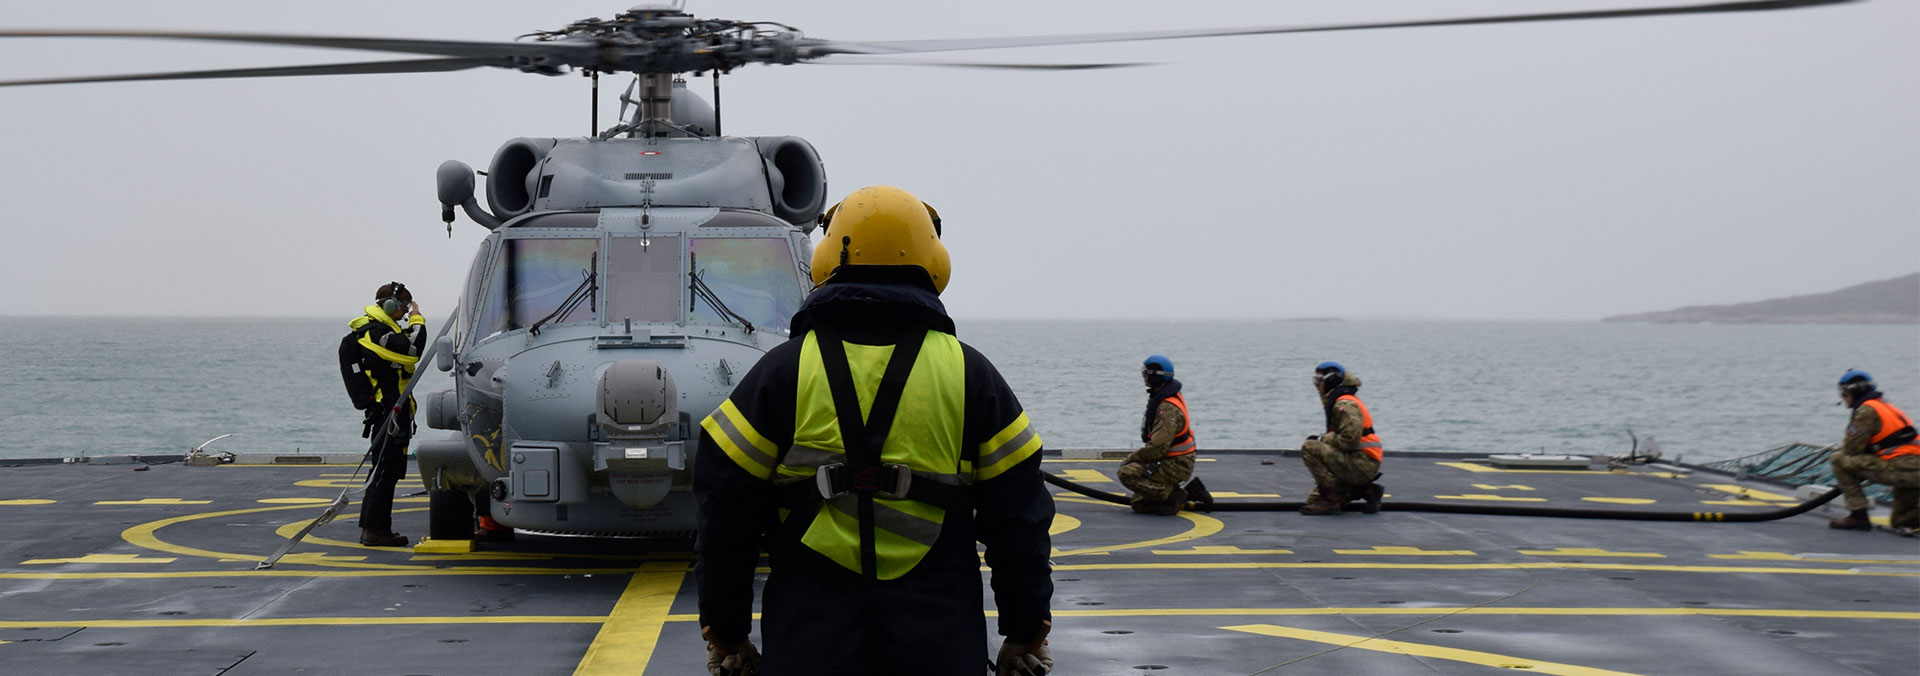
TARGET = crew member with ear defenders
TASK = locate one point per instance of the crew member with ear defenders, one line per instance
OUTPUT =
(391, 337)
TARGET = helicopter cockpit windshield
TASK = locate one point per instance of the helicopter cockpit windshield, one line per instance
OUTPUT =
(750, 279)
(542, 281)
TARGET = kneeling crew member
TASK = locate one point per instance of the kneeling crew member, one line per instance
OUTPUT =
(392, 336)
(1345, 461)
(1155, 471)
(1879, 447)
(869, 453)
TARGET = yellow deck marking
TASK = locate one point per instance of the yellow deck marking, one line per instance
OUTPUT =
(432, 546)
(25, 501)
(1405, 551)
(1488, 497)
(1085, 476)
(1203, 526)
(369, 620)
(1816, 558)
(293, 501)
(1062, 523)
(103, 558)
(1219, 549)
(1231, 494)
(144, 535)
(1662, 475)
(1424, 650)
(1589, 551)
(1484, 469)
(336, 571)
(1622, 501)
(155, 501)
(321, 559)
(1749, 492)
(1747, 503)
(1503, 487)
(626, 642)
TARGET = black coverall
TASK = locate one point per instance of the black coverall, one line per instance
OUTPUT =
(388, 452)
(821, 618)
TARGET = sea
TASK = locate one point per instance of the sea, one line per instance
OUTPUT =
(88, 386)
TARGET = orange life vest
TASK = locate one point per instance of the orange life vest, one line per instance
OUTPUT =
(1369, 440)
(1892, 421)
(1182, 443)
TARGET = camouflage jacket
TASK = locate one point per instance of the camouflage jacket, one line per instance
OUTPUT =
(1167, 423)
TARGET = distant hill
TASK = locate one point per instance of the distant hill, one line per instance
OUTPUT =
(1887, 301)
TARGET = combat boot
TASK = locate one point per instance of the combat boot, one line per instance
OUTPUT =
(1373, 493)
(1175, 501)
(1326, 503)
(1201, 497)
(378, 539)
(1855, 520)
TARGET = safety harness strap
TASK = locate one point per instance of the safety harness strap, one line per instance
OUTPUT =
(865, 438)
(1898, 438)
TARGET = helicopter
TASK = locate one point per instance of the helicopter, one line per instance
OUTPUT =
(627, 276)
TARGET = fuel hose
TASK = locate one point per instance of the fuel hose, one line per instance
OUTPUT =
(1493, 510)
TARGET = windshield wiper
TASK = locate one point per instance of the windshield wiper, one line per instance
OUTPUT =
(703, 292)
(581, 294)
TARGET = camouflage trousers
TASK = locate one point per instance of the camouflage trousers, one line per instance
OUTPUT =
(1331, 467)
(1152, 481)
(1902, 473)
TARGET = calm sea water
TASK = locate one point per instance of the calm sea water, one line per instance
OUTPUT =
(73, 386)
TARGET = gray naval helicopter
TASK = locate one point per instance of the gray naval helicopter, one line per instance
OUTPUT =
(628, 277)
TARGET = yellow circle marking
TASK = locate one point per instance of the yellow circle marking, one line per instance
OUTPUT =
(26, 501)
(293, 501)
(1203, 526)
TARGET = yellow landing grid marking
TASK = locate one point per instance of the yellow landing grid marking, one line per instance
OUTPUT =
(395, 571)
(1203, 526)
(1622, 501)
(1503, 487)
(626, 642)
(293, 501)
(1218, 550)
(1589, 551)
(1231, 494)
(1751, 493)
(1483, 469)
(155, 501)
(1488, 497)
(1085, 476)
(1819, 558)
(370, 620)
(1061, 524)
(1747, 503)
(23, 502)
(103, 558)
(1514, 566)
(1383, 550)
(1423, 650)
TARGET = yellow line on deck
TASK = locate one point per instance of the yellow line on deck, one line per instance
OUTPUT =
(1423, 650)
(1527, 565)
(306, 621)
(24, 502)
(1203, 526)
(1484, 469)
(626, 642)
(1085, 476)
(409, 571)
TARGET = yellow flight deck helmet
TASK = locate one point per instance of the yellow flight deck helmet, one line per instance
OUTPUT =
(881, 225)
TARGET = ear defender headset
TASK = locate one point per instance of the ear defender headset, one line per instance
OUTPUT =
(390, 303)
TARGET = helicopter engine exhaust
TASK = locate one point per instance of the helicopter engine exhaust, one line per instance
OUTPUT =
(636, 407)
(512, 177)
(796, 179)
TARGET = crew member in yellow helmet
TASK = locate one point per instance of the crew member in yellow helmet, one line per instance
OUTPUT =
(870, 453)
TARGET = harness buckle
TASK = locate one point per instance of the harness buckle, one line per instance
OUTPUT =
(887, 481)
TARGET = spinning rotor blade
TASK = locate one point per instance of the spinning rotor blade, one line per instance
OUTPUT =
(369, 67)
(865, 60)
(452, 48)
(944, 45)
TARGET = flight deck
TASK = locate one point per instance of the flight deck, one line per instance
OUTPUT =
(132, 568)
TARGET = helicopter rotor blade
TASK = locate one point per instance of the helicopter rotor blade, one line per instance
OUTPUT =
(944, 45)
(865, 60)
(450, 48)
(361, 68)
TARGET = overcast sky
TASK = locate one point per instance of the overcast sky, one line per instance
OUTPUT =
(1530, 171)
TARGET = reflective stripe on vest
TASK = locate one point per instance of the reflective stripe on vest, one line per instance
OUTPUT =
(1182, 443)
(1892, 420)
(934, 401)
(1370, 441)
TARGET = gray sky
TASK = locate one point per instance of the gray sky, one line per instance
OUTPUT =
(1524, 171)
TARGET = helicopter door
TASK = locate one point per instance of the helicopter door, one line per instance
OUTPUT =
(754, 278)
(643, 279)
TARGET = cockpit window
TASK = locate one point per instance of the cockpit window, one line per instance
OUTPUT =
(466, 329)
(753, 278)
(542, 281)
(643, 280)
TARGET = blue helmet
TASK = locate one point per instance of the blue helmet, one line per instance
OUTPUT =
(1855, 376)
(1157, 365)
(1329, 374)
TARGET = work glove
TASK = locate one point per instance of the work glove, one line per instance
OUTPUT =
(739, 659)
(1025, 659)
(1313, 437)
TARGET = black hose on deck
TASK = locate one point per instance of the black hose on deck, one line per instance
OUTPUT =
(1494, 510)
